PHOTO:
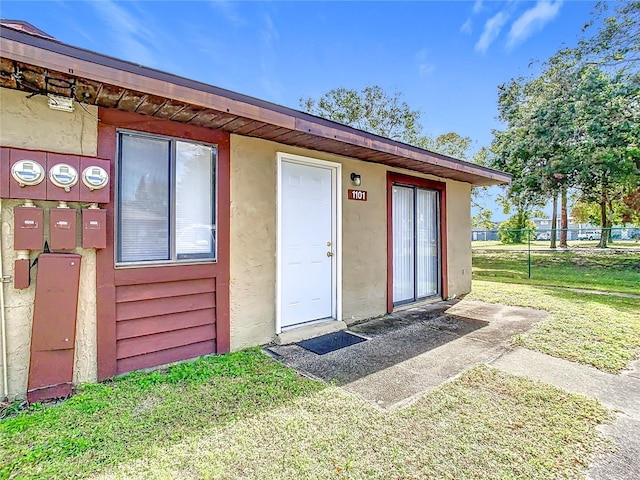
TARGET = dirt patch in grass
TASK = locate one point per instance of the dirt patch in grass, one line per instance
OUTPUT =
(598, 330)
(484, 425)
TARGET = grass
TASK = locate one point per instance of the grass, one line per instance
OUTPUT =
(483, 425)
(244, 415)
(598, 330)
(589, 269)
(106, 424)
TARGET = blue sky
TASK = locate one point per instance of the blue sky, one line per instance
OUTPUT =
(446, 58)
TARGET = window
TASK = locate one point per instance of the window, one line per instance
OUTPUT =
(166, 200)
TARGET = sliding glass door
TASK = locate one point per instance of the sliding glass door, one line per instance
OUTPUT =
(416, 249)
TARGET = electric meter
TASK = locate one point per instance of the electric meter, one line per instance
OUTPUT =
(95, 177)
(27, 172)
(63, 175)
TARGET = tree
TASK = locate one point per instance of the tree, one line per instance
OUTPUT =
(608, 129)
(451, 144)
(386, 114)
(623, 208)
(483, 220)
(615, 44)
(574, 126)
(371, 109)
(524, 148)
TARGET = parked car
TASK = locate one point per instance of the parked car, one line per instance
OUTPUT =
(544, 236)
(589, 235)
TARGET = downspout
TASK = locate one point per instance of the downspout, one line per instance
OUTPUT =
(3, 324)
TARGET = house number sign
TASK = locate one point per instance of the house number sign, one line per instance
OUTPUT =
(357, 195)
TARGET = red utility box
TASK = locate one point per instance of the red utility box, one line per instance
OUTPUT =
(5, 172)
(21, 278)
(62, 228)
(54, 326)
(94, 228)
(28, 231)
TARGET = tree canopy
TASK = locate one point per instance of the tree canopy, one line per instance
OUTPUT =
(577, 124)
(372, 110)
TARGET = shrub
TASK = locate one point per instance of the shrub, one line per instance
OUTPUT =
(513, 230)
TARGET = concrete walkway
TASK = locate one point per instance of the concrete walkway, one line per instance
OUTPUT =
(413, 351)
(620, 393)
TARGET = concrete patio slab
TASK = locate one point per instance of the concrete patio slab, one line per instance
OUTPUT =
(414, 350)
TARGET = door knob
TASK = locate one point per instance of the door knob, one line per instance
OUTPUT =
(329, 254)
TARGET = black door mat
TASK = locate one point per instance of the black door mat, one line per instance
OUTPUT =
(330, 342)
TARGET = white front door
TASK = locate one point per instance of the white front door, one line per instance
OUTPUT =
(307, 237)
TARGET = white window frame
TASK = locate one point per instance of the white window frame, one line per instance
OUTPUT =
(116, 224)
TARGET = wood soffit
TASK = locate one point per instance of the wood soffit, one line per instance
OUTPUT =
(40, 65)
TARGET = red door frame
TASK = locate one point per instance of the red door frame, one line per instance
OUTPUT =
(441, 188)
(110, 120)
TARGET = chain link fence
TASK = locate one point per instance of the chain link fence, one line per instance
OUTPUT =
(523, 253)
(577, 237)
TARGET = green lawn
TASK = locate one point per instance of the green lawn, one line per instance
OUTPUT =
(594, 329)
(245, 416)
(589, 269)
(105, 424)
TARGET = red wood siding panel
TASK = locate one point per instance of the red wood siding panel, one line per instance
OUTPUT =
(163, 323)
(149, 316)
(134, 293)
(165, 305)
(157, 318)
(173, 273)
(166, 356)
(133, 347)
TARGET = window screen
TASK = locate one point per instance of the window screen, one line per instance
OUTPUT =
(166, 200)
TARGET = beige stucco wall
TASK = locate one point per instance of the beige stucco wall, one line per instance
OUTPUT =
(459, 237)
(29, 123)
(364, 237)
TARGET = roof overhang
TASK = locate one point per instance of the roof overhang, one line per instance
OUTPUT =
(43, 65)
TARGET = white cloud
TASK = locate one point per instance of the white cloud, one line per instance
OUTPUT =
(269, 80)
(533, 20)
(228, 11)
(491, 31)
(425, 68)
(136, 41)
(466, 26)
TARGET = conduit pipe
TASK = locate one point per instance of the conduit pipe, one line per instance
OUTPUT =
(3, 323)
